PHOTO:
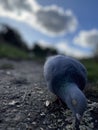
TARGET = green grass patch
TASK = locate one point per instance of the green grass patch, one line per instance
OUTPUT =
(12, 52)
(92, 69)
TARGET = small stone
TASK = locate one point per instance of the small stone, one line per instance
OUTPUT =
(47, 103)
(42, 114)
(12, 102)
(7, 86)
(59, 120)
(91, 125)
(34, 123)
(53, 115)
(40, 92)
(17, 117)
(68, 127)
(10, 128)
(8, 72)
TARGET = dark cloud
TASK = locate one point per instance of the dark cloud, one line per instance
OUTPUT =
(55, 21)
(51, 20)
(15, 5)
(87, 38)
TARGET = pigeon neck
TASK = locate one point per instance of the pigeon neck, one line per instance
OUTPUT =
(66, 90)
(70, 86)
(73, 97)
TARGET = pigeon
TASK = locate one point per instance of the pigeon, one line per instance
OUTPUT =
(66, 77)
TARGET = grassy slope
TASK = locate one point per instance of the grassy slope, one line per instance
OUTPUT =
(10, 51)
(15, 53)
(92, 69)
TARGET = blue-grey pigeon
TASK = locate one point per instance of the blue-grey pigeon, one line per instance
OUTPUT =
(66, 77)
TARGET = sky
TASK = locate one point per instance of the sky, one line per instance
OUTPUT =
(70, 26)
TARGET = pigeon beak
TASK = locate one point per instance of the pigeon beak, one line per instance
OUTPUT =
(78, 117)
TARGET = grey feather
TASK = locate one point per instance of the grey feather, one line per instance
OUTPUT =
(66, 77)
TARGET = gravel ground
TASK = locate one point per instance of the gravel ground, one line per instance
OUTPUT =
(26, 104)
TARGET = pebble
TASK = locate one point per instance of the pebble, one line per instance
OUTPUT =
(41, 129)
(8, 73)
(47, 103)
(34, 123)
(42, 114)
(12, 102)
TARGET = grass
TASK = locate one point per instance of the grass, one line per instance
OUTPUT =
(12, 52)
(92, 69)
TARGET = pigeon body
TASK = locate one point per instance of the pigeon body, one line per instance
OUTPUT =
(66, 78)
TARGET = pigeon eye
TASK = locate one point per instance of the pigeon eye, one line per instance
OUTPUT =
(74, 102)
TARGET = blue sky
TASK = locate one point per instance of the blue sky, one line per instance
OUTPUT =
(85, 11)
(71, 24)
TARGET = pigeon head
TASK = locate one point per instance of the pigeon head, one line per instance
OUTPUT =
(75, 99)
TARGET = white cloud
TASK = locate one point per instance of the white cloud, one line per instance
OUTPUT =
(18, 9)
(65, 48)
(19, 5)
(51, 20)
(87, 38)
(62, 47)
(44, 44)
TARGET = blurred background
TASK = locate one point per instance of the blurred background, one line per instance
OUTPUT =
(36, 29)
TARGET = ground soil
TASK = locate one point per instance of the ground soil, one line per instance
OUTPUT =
(23, 96)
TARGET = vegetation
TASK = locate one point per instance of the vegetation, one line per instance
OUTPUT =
(12, 52)
(12, 37)
(43, 52)
(92, 69)
(12, 46)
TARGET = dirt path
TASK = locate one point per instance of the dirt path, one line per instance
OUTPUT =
(23, 95)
